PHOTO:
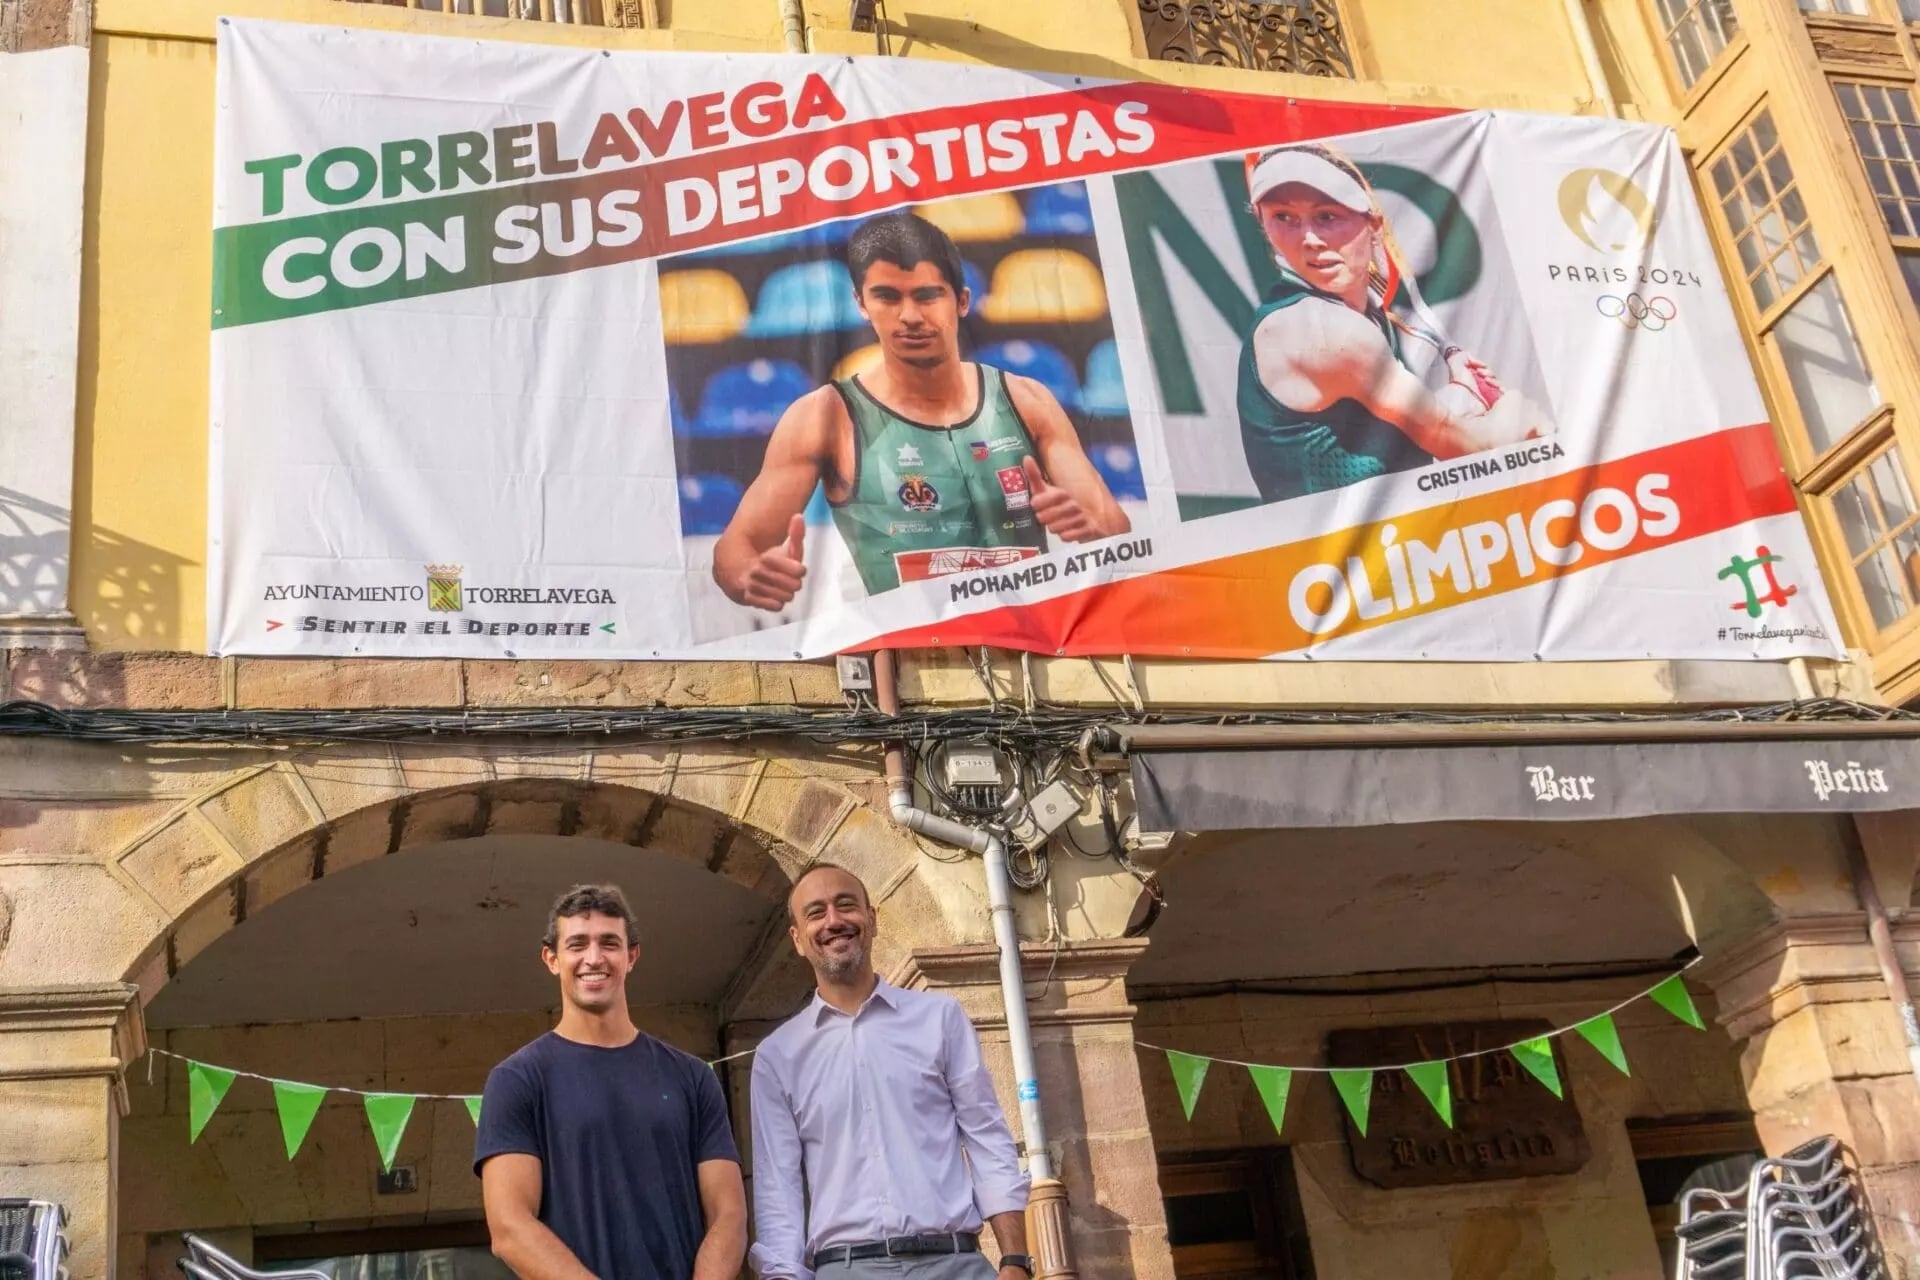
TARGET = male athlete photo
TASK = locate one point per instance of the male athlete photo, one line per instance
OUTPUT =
(932, 464)
(1327, 395)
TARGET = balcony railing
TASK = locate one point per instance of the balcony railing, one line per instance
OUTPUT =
(1301, 36)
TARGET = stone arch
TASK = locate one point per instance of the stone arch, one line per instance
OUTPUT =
(257, 834)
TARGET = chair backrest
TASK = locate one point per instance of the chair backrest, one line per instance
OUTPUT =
(805, 297)
(991, 215)
(1039, 361)
(204, 1261)
(1045, 286)
(1059, 210)
(701, 305)
(748, 399)
(1104, 394)
(33, 1239)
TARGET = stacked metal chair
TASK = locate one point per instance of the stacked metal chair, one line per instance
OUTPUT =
(204, 1262)
(33, 1240)
(1801, 1216)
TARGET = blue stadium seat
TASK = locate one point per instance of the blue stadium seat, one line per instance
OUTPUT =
(1059, 210)
(707, 502)
(748, 399)
(975, 282)
(1104, 395)
(1119, 466)
(1036, 360)
(805, 297)
(819, 511)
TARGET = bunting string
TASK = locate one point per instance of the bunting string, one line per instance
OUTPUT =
(1432, 1077)
(1665, 986)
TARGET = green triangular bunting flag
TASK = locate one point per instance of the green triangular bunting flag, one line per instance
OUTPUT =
(473, 1109)
(1537, 1057)
(1188, 1072)
(206, 1086)
(1273, 1083)
(387, 1113)
(1672, 996)
(1356, 1090)
(1604, 1036)
(297, 1104)
(1432, 1079)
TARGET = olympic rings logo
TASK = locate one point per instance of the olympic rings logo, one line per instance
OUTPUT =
(1635, 312)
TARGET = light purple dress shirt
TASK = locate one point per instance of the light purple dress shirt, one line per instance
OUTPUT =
(859, 1124)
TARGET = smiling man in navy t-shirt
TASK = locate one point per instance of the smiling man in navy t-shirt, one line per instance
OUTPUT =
(602, 1153)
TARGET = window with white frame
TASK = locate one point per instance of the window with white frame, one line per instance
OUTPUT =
(1840, 446)
(1696, 31)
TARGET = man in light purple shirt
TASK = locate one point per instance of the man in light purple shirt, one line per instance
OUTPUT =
(878, 1145)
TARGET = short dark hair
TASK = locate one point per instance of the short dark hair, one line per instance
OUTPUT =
(865, 896)
(906, 240)
(590, 899)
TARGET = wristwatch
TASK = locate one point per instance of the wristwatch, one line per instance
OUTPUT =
(1020, 1260)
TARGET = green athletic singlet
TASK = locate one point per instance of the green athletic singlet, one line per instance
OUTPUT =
(1292, 453)
(929, 500)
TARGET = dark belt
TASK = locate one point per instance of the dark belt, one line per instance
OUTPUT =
(900, 1247)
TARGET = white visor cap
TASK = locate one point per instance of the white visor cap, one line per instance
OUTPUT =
(1309, 169)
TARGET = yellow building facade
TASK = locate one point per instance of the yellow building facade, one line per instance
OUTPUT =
(297, 904)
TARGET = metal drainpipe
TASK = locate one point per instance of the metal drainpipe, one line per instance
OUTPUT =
(1590, 56)
(1880, 934)
(793, 25)
(1047, 1208)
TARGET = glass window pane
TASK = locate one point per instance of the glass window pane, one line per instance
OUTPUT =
(1764, 293)
(1877, 175)
(1906, 550)
(1723, 172)
(1903, 107)
(1804, 245)
(1763, 131)
(1779, 171)
(1879, 582)
(1793, 207)
(1910, 268)
(1736, 209)
(1744, 158)
(1910, 9)
(1863, 137)
(1773, 232)
(1890, 141)
(1749, 254)
(1786, 272)
(1896, 215)
(1831, 382)
(1849, 98)
(1856, 517)
(1890, 483)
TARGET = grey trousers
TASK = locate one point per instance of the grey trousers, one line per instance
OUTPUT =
(936, 1266)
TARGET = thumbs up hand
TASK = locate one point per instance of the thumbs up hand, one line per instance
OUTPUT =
(1056, 509)
(776, 574)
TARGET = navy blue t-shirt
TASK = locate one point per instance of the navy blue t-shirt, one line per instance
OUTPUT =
(619, 1134)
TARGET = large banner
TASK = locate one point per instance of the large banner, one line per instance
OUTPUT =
(540, 352)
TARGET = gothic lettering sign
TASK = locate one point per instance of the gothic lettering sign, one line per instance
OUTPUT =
(1506, 1124)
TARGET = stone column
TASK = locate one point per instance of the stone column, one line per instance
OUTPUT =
(63, 1052)
(1090, 1092)
(1823, 1052)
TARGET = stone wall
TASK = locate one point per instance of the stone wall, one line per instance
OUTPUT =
(1593, 1223)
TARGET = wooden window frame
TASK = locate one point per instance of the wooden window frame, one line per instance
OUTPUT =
(1683, 90)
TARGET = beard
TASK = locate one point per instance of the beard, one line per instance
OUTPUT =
(839, 966)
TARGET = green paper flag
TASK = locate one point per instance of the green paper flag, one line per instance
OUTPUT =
(1432, 1079)
(206, 1086)
(1356, 1090)
(1604, 1036)
(1188, 1072)
(1273, 1084)
(297, 1104)
(387, 1113)
(1537, 1057)
(473, 1109)
(1672, 996)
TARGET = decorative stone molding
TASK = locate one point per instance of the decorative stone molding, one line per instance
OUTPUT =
(61, 1033)
(1077, 984)
(1801, 962)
